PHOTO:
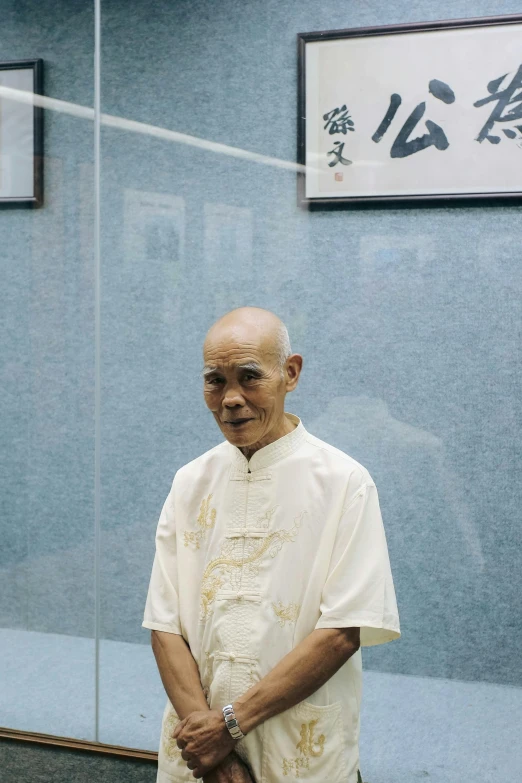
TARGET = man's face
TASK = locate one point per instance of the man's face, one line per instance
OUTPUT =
(244, 389)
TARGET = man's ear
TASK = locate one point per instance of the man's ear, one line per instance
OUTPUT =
(294, 365)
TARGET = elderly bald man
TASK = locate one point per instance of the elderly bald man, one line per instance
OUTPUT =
(271, 572)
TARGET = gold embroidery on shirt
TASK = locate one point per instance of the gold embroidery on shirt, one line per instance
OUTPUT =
(294, 765)
(170, 747)
(286, 613)
(308, 747)
(226, 565)
(307, 741)
(206, 521)
(266, 518)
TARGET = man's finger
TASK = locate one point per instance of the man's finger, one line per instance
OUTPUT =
(178, 728)
(181, 743)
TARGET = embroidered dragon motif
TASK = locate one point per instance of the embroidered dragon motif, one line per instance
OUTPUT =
(205, 522)
(229, 564)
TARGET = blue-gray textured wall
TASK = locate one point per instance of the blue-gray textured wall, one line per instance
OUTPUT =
(408, 320)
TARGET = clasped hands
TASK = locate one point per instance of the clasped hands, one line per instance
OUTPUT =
(204, 741)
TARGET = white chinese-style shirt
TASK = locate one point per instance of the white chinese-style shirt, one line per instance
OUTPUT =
(251, 557)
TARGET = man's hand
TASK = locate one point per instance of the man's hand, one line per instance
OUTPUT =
(204, 741)
(231, 770)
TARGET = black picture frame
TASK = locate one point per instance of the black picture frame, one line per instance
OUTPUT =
(34, 199)
(420, 199)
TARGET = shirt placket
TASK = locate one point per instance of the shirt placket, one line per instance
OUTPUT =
(249, 526)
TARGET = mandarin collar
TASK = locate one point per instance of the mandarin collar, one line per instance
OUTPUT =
(273, 452)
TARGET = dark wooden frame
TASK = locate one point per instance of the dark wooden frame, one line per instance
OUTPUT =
(362, 32)
(70, 743)
(37, 67)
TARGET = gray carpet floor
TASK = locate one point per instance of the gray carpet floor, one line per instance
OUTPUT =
(23, 762)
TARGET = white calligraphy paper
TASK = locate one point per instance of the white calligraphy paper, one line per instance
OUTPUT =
(414, 113)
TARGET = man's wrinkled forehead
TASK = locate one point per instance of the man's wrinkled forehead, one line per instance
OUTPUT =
(234, 356)
(236, 345)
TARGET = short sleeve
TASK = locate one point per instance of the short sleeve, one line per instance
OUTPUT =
(359, 591)
(162, 604)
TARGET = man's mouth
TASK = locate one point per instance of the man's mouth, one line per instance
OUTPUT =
(236, 423)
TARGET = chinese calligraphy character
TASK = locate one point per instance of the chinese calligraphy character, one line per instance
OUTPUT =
(338, 155)
(309, 745)
(338, 124)
(503, 98)
(403, 146)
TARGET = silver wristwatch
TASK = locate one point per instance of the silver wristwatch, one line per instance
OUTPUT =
(231, 722)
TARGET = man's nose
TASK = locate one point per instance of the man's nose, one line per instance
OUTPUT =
(233, 396)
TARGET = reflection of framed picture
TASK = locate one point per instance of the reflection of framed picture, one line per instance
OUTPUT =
(411, 112)
(228, 241)
(21, 133)
(154, 241)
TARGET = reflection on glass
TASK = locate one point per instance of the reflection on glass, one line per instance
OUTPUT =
(47, 354)
(408, 321)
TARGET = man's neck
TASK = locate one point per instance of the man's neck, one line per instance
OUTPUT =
(287, 425)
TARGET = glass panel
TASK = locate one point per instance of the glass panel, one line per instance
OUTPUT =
(47, 444)
(408, 321)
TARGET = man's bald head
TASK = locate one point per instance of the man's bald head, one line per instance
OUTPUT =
(253, 324)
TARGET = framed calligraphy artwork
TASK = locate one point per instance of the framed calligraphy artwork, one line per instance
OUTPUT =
(21, 133)
(411, 112)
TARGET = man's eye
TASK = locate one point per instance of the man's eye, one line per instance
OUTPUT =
(214, 381)
(249, 377)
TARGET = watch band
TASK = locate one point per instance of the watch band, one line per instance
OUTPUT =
(231, 722)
